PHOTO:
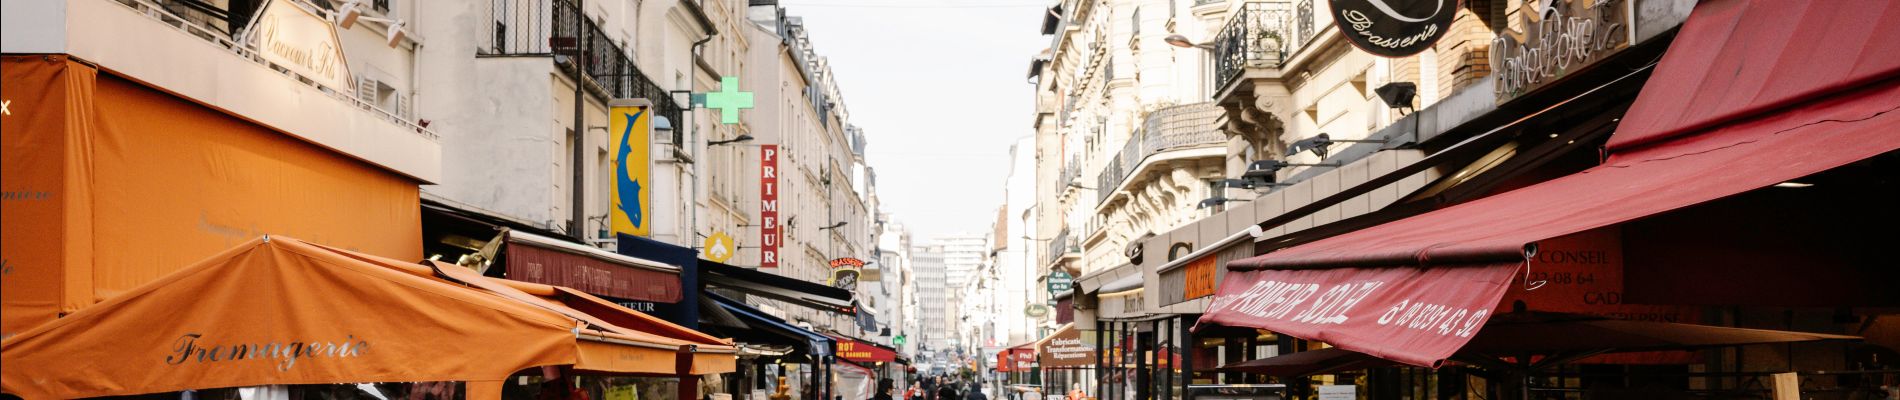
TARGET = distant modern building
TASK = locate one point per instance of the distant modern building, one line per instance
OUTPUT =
(933, 298)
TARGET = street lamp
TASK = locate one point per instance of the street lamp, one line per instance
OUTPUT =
(741, 138)
(1177, 40)
(840, 224)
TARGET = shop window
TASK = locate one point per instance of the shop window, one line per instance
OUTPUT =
(387, 390)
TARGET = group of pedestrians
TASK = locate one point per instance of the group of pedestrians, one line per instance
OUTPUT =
(944, 388)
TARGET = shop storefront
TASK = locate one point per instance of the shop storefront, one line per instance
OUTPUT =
(1068, 362)
(339, 321)
(1733, 194)
(879, 363)
(112, 184)
(799, 358)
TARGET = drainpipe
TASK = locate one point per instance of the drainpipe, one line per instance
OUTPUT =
(577, 226)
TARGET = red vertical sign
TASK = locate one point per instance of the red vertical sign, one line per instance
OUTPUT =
(768, 206)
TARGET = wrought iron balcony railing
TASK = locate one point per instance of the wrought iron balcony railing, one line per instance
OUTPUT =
(1260, 35)
(557, 28)
(1178, 127)
(1063, 245)
(212, 24)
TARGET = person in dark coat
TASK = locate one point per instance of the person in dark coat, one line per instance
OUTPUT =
(947, 391)
(883, 390)
(975, 393)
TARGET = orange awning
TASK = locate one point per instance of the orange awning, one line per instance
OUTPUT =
(282, 311)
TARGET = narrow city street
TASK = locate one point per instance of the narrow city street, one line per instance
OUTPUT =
(949, 199)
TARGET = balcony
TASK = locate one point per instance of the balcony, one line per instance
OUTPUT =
(1062, 246)
(558, 29)
(1260, 35)
(1167, 129)
(1071, 171)
(186, 49)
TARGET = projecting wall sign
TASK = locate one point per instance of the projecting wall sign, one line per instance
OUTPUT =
(1394, 28)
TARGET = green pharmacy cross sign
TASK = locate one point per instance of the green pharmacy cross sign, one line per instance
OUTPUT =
(728, 100)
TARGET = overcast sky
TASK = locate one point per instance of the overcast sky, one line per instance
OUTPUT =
(940, 88)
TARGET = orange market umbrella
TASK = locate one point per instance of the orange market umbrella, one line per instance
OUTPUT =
(282, 311)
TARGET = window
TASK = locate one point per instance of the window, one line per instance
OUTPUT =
(501, 36)
(381, 6)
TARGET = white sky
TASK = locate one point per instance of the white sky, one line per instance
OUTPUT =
(940, 88)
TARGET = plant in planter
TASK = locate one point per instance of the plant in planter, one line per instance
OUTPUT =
(1268, 43)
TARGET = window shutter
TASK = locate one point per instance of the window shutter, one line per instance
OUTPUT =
(405, 108)
(366, 90)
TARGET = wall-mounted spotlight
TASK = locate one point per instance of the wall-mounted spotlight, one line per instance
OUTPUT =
(1319, 143)
(347, 15)
(1398, 94)
(1265, 169)
(1217, 200)
(1251, 183)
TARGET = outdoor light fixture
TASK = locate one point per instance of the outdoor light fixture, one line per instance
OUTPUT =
(1177, 40)
(1793, 184)
(1264, 169)
(840, 224)
(347, 15)
(741, 138)
(1251, 183)
(1217, 200)
(1398, 94)
(1077, 186)
(1319, 143)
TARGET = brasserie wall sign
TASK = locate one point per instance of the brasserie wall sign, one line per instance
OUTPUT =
(301, 41)
(1563, 36)
(1394, 28)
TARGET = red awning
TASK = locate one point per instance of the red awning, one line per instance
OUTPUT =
(1750, 94)
(862, 351)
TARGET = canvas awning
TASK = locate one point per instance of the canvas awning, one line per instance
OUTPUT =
(810, 295)
(541, 259)
(768, 329)
(279, 310)
(1528, 333)
(1729, 109)
(861, 351)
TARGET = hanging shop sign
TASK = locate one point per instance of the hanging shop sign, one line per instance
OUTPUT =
(718, 247)
(1563, 37)
(1394, 28)
(768, 206)
(1035, 310)
(845, 272)
(1060, 282)
(1068, 348)
(632, 196)
(301, 41)
(1200, 276)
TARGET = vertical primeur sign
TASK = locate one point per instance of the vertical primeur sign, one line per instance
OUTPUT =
(631, 125)
(768, 206)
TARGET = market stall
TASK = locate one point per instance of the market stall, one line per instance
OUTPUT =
(281, 311)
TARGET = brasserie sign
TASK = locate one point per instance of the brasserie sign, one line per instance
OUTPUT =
(1394, 28)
